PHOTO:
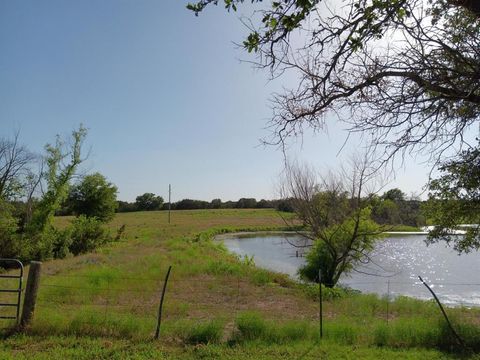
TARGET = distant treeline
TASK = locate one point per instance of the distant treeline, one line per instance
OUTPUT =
(391, 208)
(190, 204)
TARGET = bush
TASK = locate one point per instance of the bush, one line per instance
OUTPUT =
(9, 241)
(311, 290)
(201, 333)
(25, 247)
(381, 335)
(290, 331)
(48, 244)
(87, 234)
(62, 240)
(251, 326)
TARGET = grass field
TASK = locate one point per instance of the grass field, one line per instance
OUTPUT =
(104, 304)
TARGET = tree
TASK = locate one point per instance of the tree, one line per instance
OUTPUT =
(246, 203)
(43, 239)
(454, 199)
(189, 204)
(58, 177)
(149, 201)
(216, 204)
(125, 206)
(15, 167)
(94, 197)
(9, 244)
(386, 211)
(337, 218)
(404, 72)
(396, 195)
(264, 204)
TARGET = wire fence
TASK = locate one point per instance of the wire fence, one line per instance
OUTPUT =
(101, 300)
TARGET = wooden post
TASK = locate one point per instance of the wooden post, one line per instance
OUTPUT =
(31, 291)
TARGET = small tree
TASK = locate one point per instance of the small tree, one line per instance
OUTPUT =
(95, 197)
(58, 177)
(337, 218)
(148, 202)
(39, 232)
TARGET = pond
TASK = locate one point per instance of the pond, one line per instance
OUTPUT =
(396, 263)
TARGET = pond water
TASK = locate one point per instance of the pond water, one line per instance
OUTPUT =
(396, 263)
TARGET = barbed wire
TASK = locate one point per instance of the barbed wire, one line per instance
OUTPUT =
(101, 277)
(100, 288)
(112, 279)
(196, 280)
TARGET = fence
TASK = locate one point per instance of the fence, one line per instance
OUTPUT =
(128, 306)
(11, 284)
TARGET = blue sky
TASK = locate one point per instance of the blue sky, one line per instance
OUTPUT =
(162, 92)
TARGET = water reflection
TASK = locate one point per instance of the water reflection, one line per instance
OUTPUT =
(396, 263)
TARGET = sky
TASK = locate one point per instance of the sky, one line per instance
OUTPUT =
(164, 95)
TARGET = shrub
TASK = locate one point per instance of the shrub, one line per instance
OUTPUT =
(290, 331)
(205, 333)
(342, 333)
(222, 267)
(87, 234)
(41, 245)
(62, 240)
(381, 335)
(251, 326)
(9, 244)
(311, 290)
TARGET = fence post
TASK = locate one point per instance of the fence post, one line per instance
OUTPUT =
(388, 300)
(33, 282)
(159, 321)
(459, 339)
(320, 301)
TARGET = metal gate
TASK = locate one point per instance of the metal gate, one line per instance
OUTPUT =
(7, 288)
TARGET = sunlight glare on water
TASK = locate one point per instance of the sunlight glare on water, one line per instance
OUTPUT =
(397, 260)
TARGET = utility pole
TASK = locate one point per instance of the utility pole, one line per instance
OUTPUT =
(169, 201)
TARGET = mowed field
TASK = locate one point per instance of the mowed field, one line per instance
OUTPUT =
(104, 305)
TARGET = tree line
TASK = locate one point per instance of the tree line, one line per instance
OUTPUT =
(392, 207)
(190, 204)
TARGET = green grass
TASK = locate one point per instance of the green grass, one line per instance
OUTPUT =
(68, 347)
(207, 332)
(104, 305)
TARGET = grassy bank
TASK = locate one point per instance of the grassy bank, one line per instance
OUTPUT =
(104, 304)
